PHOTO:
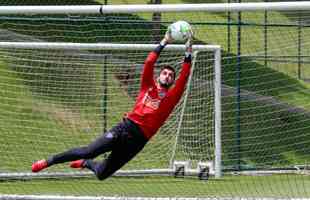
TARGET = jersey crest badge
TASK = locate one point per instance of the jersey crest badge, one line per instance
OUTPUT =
(162, 94)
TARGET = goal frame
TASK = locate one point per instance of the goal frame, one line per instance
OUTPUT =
(216, 49)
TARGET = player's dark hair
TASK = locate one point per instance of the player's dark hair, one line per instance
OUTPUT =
(169, 68)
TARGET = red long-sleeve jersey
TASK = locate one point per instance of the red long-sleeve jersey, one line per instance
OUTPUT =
(154, 104)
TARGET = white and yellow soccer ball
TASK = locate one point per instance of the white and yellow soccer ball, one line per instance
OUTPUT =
(180, 31)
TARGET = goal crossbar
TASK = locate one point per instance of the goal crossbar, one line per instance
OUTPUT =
(105, 9)
(101, 46)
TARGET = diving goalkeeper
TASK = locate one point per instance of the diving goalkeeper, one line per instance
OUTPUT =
(156, 100)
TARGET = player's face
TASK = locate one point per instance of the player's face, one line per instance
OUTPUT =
(166, 78)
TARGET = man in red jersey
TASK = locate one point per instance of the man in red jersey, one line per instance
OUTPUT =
(155, 102)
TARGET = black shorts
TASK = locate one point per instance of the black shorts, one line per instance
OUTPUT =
(124, 141)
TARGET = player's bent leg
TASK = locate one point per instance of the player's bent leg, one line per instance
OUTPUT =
(106, 168)
(130, 142)
(118, 158)
(97, 168)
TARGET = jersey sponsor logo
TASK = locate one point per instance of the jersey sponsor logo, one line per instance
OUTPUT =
(151, 102)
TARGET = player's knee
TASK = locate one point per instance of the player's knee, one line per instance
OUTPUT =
(102, 172)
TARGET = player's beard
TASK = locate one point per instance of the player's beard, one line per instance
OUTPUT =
(164, 85)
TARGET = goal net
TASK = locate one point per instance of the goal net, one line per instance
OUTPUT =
(63, 93)
(70, 93)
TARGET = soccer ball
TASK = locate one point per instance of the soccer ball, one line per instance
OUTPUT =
(180, 31)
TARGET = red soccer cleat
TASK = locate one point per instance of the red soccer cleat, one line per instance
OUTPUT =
(39, 165)
(77, 164)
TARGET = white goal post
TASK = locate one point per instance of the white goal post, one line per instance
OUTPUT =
(216, 169)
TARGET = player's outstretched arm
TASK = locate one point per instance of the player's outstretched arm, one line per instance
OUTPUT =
(189, 47)
(186, 68)
(166, 40)
(148, 69)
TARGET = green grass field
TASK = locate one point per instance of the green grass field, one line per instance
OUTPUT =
(288, 186)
